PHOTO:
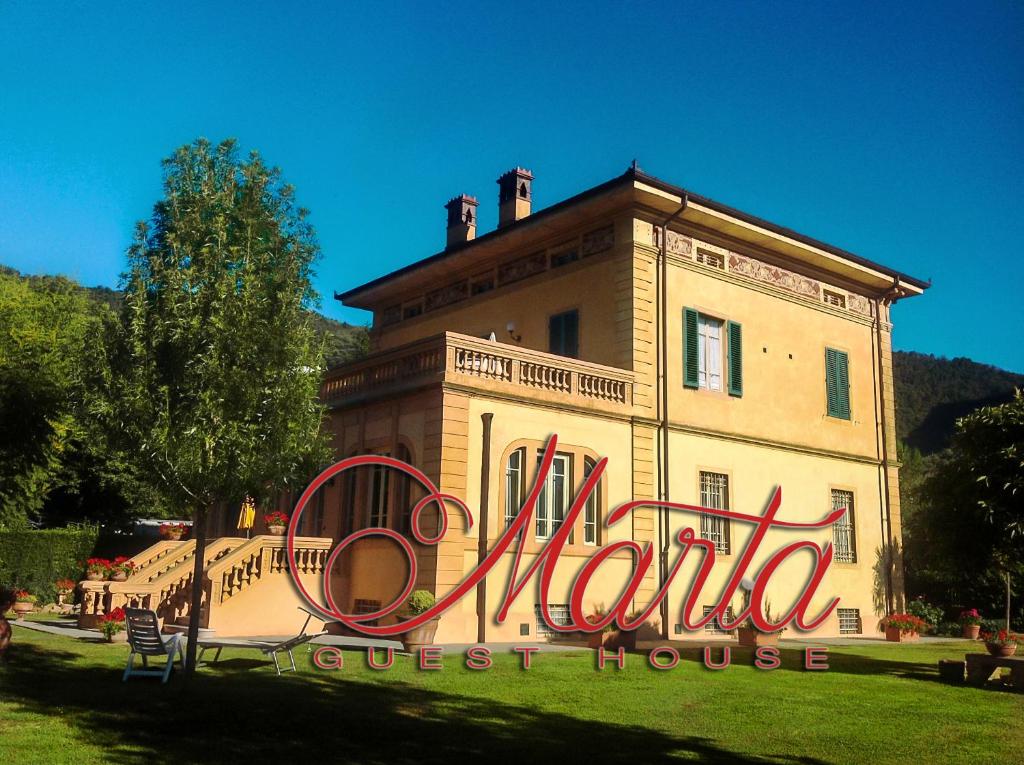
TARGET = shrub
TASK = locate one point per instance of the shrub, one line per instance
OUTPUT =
(175, 527)
(34, 559)
(925, 611)
(420, 601)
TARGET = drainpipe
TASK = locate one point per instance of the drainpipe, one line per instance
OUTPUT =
(481, 544)
(889, 298)
(663, 471)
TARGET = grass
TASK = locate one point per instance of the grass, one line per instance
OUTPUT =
(62, 701)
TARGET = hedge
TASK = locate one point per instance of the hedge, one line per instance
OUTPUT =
(35, 560)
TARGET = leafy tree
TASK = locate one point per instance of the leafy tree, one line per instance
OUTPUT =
(45, 327)
(218, 366)
(965, 536)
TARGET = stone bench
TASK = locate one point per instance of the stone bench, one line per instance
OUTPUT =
(981, 666)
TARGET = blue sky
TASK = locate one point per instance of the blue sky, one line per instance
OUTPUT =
(892, 132)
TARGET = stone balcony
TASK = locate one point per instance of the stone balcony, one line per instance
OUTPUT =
(472, 364)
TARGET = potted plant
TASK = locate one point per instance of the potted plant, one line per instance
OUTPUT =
(24, 602)
(597, 639)
(121, 568)
(903, 628)
(97, 569)
(749, 636)
(64, 587)
(173, 531)
(970, 623)
(626, 638)
(1002, 643)
(277, 522)
(112, 626)
(420, 602)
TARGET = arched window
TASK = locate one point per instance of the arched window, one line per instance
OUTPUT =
(514, 483)
(553, 501)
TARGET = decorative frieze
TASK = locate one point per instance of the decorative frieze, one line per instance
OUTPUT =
(678, 244)
(778, 277)
(522, 268)
(858, 304)
(598, 240)
(453, 293)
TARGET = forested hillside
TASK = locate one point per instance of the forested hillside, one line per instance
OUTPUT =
(932, 392)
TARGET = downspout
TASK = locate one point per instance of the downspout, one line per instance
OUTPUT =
(889, 298)
(481, 544)
(664, 525)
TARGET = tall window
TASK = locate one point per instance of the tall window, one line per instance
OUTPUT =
(554, 496)
(564, 334)
(843, 535)
(709, 349)
(513, 485)
(714, 493)
(347, 514)
(590, 512)
(403, 494)
(379, 481)
(837, 383)
(712, 353)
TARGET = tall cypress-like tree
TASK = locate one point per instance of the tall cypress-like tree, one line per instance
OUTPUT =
(218, 366)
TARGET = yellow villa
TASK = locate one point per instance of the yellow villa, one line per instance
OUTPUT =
(708, 354)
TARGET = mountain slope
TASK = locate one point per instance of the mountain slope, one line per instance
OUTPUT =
(932, 392)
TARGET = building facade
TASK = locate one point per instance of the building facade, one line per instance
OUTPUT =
(709, 355)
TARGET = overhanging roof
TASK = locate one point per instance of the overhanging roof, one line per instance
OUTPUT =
(637, 186)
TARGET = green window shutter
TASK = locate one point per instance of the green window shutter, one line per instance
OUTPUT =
(735, 363)
(691, 356)
(837, 383)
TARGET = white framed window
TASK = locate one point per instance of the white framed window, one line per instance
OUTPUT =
(590, 512)
(844, 538)
(513, 485)
(379, 496)
(714, 493)
(554, 496)
(714, 626)
(559, 613)
(849, 621)
(709, 349)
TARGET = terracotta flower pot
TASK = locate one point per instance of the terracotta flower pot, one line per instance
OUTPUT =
(896, 635)
(94, 576)
(750, 638)
(1002, 651)
(420, 636)
(24, 608)
(623, 639)
(597, 639)
(277, 531)
(970, 631)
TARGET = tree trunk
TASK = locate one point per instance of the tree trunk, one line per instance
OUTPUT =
(1007, 601)
(198, 572)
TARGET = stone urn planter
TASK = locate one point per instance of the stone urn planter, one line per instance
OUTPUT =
(25, 607)
(94, 576)
(970, 631)
(277, 531)
(748, 637)
(421, 636)
(119, 576)
(173, 536)
(118, 637)
(1000, 650)
(623, 639)
(896, 635)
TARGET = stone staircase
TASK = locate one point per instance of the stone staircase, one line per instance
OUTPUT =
(247, 587)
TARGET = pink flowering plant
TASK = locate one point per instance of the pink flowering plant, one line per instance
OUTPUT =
(970, 617)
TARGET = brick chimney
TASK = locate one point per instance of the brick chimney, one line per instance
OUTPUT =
(461, 219)
(514, 196)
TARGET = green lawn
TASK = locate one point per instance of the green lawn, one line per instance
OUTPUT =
(62, 701)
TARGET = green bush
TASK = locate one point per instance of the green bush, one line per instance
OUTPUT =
(34, 560)
(922, 609)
